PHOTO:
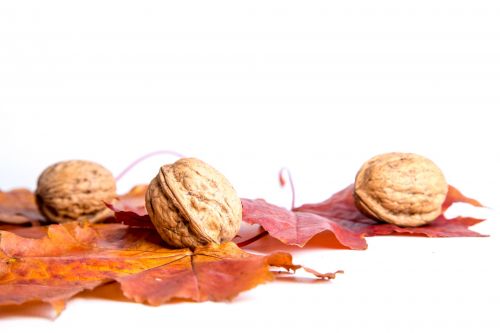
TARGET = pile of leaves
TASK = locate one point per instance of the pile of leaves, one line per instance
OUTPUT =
(52, 262)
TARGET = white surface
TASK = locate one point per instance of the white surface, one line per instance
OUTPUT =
(250, 87)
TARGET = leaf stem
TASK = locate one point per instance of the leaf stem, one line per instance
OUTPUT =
(282, 180)
(145, 157)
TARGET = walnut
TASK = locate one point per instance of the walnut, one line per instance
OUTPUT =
(403, 189)
(191, 204)
(75, 191)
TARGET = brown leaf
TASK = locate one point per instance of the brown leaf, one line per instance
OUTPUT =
(339, 215)
(18, 206)
(52, 264)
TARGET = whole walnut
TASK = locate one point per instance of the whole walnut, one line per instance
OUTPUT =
(75, 191)
(403, 189)
(191, 204)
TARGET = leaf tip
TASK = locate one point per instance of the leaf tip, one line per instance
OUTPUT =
(58, 306)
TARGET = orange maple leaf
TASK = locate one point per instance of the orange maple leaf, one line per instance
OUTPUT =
(52, 264)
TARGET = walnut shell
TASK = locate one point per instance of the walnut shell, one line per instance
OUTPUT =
(403, 189)
(75, 191)
(192, 204)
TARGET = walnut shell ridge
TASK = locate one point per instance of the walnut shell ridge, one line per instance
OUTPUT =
(192, 204)
(404, 189)
(75, 190)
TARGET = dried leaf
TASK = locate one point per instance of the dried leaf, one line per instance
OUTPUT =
(339, 215)
(130, 208)
(52, 264)
(133, 201)
(18, 206)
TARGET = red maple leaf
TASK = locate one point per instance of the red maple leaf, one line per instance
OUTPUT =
(339, 215)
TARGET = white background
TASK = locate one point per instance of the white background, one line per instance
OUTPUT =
(317, 86)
